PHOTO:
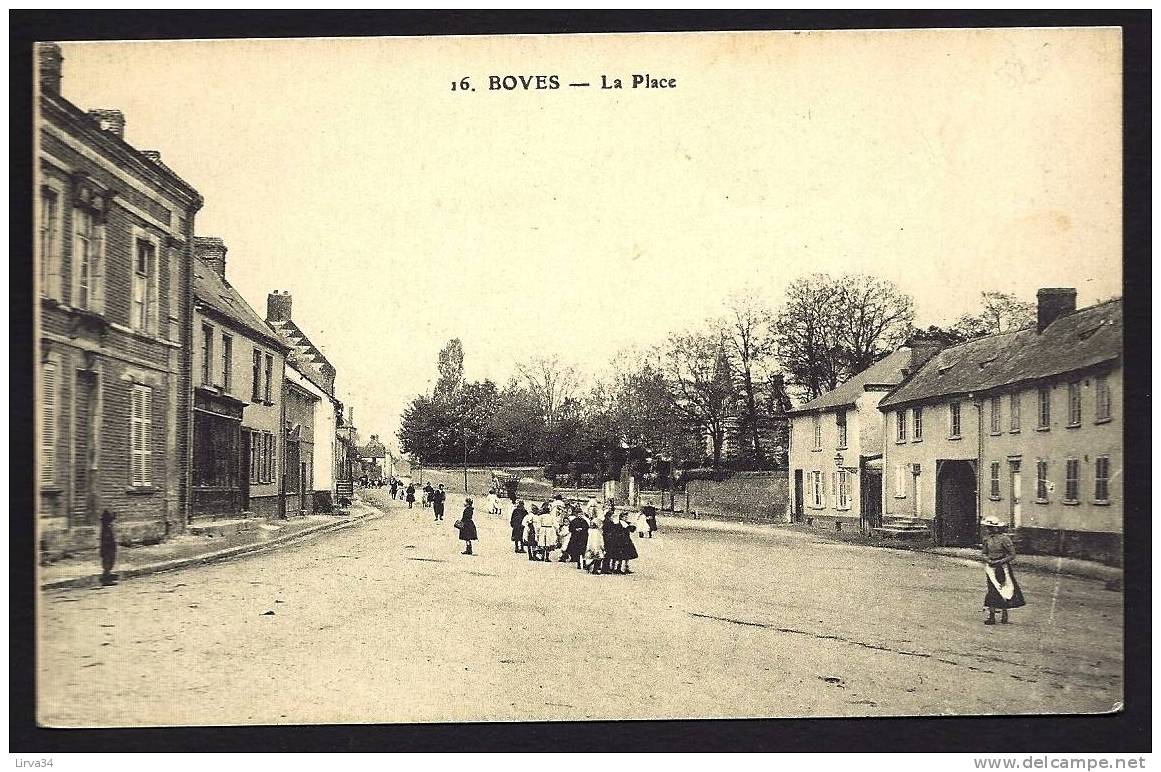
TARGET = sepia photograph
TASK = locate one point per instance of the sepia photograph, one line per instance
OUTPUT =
(579, 377)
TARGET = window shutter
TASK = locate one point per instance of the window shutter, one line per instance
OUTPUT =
(135, 436)
(146, 435)
(48, 424)
(154, 290)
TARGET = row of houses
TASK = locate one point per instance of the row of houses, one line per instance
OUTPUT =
(1025, 425)
(163, 395)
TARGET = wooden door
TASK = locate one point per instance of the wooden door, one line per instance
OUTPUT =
(85, 419)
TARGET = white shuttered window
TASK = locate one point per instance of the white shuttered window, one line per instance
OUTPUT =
(141, 436)
(48, 386)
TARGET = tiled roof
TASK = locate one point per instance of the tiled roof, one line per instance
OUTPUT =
(888, 371)
(299, 356)
(211, 290)
(1082, 339)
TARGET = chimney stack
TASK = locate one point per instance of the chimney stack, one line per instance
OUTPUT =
(212, 250)
(922, 349)
(112, 121)
(1053, 303)
(50, 65)
(278, 307)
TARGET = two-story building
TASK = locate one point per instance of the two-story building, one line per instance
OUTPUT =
(237, 396)
(313, 377)
(836, 445)
(1024, 425)
(113, 257)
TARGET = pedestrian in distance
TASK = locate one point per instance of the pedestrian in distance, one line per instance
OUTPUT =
(108, 548)
(394, 487)
(438, 498)
(427, 492)
(493, 503)
(467, 527)
(410, 495)
(516, 522)
(1003, 592)
(614, 548)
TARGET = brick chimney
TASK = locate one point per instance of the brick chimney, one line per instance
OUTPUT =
(212, 250)
(923, 349)
(278, 307)
(50, 64)
(112, 121)
(1053, 303)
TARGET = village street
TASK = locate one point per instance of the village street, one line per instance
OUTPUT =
(388, 622)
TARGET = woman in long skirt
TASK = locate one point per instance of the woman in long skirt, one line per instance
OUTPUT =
(467, 527)
(614, 546)
(1003, 592)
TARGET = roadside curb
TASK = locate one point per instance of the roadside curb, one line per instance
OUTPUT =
(1038, 564)
(94, 580)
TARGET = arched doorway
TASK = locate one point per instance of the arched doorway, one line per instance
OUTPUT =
(955, 502)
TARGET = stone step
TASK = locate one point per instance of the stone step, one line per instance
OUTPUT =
(215, 528)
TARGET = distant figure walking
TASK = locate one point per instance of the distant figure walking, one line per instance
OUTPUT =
(578, 538)
(1003, 592)
(394, 487)
(438, 497)
(493, 503)
(467, 527)
(410, 495)
(427, 491)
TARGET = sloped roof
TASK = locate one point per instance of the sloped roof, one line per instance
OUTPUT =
(212, 291)
(1082, 339)
(888, 371)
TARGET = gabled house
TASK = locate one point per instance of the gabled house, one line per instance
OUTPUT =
(237, 396)
(310, 380)
(836, 443)
(1024, 425)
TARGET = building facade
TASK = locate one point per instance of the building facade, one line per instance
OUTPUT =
(299, 434)
(315, 374)
(1024, 425)
(836, 446)
(113, 256)
(239, 366)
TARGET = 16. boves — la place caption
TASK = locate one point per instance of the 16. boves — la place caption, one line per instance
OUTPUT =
(646, 81)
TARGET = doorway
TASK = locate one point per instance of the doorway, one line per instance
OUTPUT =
(244, 470)
(871, 499)
(798, 507)
(1015, 483)
(84, 500)
(955, 495)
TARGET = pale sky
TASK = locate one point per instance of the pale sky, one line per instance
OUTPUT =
(580, 221)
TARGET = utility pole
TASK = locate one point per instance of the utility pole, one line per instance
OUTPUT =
(465, 433)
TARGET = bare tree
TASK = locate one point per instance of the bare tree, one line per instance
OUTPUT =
(876, 319)
(999, 312)
(832, 328)
(451, 370)
(696, 369)
(551, 384)
(750, 345)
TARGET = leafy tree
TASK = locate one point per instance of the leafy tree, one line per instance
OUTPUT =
(451, 370)
(551, 384)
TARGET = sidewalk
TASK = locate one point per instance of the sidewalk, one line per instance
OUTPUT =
(189, 550)
(1044, 564)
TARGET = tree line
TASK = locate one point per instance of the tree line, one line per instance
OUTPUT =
(678, 403)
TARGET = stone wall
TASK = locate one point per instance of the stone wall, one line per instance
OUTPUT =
(745, 496)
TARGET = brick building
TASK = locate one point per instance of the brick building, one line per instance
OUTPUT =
(113, 254)
(239, 368)
(1024, 425)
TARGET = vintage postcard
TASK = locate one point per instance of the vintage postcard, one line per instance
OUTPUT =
(579, 377)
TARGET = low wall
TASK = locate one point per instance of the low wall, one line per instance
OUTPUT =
(745, 496)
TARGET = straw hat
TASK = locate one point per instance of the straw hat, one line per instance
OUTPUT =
(992, 522)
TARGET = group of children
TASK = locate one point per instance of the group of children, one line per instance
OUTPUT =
(594, 542)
